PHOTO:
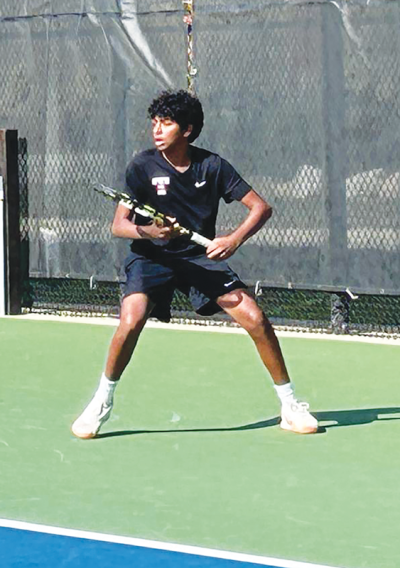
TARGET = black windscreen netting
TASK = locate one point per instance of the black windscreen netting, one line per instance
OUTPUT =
(301, 97)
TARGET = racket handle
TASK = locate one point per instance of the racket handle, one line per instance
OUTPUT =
(200, 240)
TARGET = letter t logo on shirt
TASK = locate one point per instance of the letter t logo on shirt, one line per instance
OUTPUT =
(161, 184)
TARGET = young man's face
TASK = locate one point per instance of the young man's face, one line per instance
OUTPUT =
(167, 134)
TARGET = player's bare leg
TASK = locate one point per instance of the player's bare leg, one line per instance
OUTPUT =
(245, 311)
(135, 310)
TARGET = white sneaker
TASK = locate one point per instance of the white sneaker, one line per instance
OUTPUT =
(296, 418)
(92, 418)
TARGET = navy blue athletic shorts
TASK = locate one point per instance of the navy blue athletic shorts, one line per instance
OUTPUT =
(202, 280)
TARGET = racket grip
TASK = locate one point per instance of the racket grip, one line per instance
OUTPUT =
(200, 240)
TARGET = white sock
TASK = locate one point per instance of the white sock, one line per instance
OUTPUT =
(285, 393)
(105, 390)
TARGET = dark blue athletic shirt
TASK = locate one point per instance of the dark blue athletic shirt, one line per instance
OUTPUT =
(192, 196)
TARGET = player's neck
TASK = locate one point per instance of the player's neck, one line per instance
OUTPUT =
(178, 157)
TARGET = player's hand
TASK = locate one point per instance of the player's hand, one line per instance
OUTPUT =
(174, 226)
(222, 248)
(161, 230)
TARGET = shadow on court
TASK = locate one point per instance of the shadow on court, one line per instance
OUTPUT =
(356, 417)
(339, 417)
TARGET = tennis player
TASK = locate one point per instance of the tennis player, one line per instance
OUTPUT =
(186, 183)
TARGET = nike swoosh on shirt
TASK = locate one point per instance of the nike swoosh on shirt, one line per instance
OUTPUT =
(200, 183)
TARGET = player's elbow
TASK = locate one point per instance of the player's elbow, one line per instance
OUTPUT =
(266, 212)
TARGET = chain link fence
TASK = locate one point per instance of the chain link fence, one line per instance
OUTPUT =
(303, 99)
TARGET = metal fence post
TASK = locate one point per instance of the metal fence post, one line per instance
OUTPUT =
(340, 311)
(12, 248)
(335, 141)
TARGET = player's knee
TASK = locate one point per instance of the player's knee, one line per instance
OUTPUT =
(254, 322)
(132, 321)
(134, 313)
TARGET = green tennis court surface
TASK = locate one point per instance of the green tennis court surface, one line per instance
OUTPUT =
(193, 454)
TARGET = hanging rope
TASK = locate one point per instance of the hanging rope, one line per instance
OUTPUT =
(188, 6)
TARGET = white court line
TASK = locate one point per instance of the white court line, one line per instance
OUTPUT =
(185, 549)
(109, 321)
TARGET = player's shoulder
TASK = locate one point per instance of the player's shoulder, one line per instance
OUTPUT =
(141, 159)
(203, 155)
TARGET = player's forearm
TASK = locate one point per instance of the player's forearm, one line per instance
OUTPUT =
(125, 229)
(257, 217)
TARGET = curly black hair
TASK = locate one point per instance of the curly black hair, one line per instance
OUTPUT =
(181, 107)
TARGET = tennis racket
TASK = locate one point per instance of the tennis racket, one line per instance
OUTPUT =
(147, 211)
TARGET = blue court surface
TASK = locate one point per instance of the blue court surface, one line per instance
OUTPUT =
(25, 545)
